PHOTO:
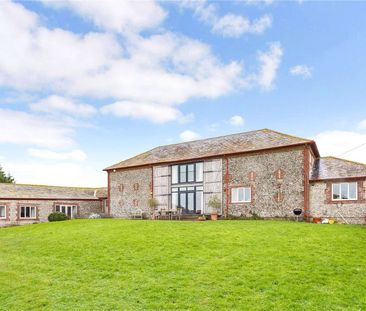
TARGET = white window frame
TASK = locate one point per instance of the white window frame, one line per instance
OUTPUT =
(30, 207)
(340, 189)
(235, 199)
(74, 209)
(5, 211)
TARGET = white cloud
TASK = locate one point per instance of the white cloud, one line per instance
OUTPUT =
(301, 70)
(54, 104)
(161, 70)
(362, 125)
(169, 68)
(335, 143)
(56, 174)
(236, 121)
(232, 25)
(153, 112)
(116, 15)
(270, 61)
(189, 135)
(75, 155)
(229, 25)
(26, 129)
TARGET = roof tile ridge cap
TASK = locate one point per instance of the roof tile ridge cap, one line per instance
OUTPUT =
(291, 136)
(208, 138)
(49, 186)
(342, 159)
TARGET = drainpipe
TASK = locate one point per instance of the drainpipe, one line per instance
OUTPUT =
(227, 187)
(306, 182)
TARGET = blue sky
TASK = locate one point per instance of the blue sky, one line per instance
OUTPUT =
(86, 84)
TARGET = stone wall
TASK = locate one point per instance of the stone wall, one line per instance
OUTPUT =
(276, 180)
(130, 190)
(344, 212)
(44, 208)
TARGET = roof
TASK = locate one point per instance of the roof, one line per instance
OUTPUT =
(229, 144)
(19, 191)
(335, 168)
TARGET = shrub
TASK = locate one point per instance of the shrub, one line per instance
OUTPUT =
(214, 203)
(94, 216)
(57, 216)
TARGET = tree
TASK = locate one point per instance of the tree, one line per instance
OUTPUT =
(6, 178)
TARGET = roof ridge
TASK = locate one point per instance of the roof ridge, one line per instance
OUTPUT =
(342, 159)
(50, 186)
(208, 138)
(288, 135)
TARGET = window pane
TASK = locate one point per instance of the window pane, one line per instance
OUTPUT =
(200, 188)
(27, 211)
(190, 201)
(247, 194)
(183, 173)
(22, 212)
(2, 211)
(234, 194)
(336, 192)
(32, 211)
(199, 201)
(190, 172)
(174, 174)
(241, 194)
(57, 208)
(199, 171)
(344, 191)
(174, 200)
(182, 200)
(353, 191)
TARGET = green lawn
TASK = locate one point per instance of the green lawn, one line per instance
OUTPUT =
(110, 264)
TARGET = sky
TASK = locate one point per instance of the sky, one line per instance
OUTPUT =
(84, 85)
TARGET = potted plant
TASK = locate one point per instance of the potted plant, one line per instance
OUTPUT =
(215, 204)
(153, 204)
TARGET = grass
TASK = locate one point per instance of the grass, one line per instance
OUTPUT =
(110, 264)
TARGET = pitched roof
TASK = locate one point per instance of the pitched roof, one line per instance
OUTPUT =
(333, 168)
(19, 191)
(229, 144)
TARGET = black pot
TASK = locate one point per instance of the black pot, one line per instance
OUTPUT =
(297, 211)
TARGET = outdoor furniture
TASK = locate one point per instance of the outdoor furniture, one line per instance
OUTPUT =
(136, 214)
(164, 214)
(176, 214)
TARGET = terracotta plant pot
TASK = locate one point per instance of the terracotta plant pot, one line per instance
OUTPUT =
(317, 220)
(214, 216)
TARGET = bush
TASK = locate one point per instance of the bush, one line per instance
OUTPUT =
(94, 216)
(57, 216)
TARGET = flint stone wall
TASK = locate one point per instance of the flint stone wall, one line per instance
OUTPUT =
(276, 180)
(130, 191)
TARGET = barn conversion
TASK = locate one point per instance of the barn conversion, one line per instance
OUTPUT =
(263, 173)
(24, 204)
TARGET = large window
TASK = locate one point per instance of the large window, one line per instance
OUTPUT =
(344, 191)
(187, 173)
(241, 195)
(2, 211)
(189, 199)
(27, 212)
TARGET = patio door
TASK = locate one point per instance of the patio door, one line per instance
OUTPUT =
(69, 210)
(189, 199)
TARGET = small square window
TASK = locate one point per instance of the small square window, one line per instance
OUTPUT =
(240, 195)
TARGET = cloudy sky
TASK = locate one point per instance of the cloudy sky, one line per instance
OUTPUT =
(86, 84)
